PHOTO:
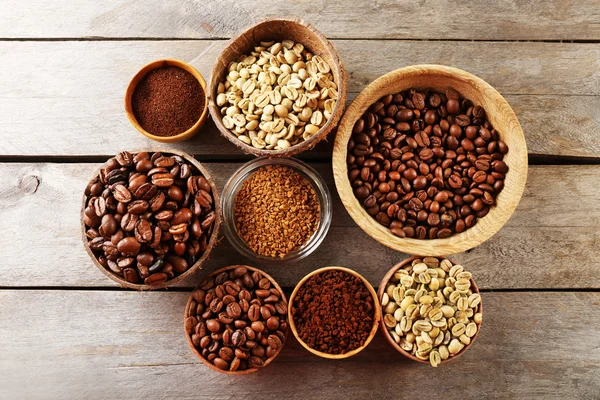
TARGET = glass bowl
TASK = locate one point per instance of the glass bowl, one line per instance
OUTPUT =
(234, 184)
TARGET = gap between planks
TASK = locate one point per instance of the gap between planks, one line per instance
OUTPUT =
(162, 39)
(534, 159)
(287, 290)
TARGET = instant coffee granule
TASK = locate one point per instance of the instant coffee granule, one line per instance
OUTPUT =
(333, 312)
(168, 101)
(276, 211)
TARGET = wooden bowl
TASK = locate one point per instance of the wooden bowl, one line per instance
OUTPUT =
(197, 265)
(208, 363)
(140, 75)
(500, 115)
(387, 335)
(376, 317)
(279, 29)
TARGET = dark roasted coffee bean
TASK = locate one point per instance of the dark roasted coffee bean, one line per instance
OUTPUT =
(131, 275)
(143, 231)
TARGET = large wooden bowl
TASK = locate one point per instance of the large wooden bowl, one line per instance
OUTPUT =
(279, 29)
(213, 366)
(376, 316)
(389, 337)
(500, 115)
(191, 270)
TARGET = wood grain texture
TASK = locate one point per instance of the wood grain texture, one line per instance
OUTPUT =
(553, 230)
(66, 98)
(498, 113)
(132, 345)
(488, 19)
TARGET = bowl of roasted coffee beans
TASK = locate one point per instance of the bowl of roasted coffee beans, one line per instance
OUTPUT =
(167, 101)
(236, 320)
(278, 88)
(334, 312)
(430, 160)
(432, 310)
(276, 210)
(149, 219)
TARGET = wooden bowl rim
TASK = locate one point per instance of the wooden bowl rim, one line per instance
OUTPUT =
(163, 62)
(387, 335)
(208, 363)
(508, 199)
(211, 243)
(314, 139)
(376, 316)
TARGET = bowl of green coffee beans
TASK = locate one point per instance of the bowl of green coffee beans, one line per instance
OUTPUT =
(431, 309)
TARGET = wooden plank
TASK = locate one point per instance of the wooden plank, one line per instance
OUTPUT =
(104, 344)
(483, 20)
(550, 242)
(65, 98)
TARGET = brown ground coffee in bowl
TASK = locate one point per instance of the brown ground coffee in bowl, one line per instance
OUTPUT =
(333, 312)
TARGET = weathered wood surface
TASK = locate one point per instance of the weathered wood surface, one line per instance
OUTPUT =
(65, 98)
(105, 344)
(489, 19)
(550, 242)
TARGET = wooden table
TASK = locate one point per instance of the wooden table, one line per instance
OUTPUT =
(66, 331)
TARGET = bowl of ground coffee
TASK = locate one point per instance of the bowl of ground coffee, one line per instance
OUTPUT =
(334, 312)
(167, 101)
(430, 160)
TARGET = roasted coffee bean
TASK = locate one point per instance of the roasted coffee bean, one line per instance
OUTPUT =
(426, 160)
(131, 275)
(129, 246)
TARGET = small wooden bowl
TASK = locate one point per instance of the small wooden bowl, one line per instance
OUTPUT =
(211, 242)
(500, 115)
(279, 29)
(140, 75)
(376, 317)
(387, 335)
(208, 363)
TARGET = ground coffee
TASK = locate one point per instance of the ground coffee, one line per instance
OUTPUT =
(168, 101)
(333, 312)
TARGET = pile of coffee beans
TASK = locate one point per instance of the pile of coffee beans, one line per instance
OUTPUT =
(426, 165)
(431, 310)
(277, 96)
(237, 319)
(333, 312)
(149, 216)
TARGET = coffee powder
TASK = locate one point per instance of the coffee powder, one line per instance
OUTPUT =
(333, 312)
(168, 101)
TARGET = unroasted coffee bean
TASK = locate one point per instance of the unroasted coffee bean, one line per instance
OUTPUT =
(426, 165)
(140, 207)
(232, 322)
